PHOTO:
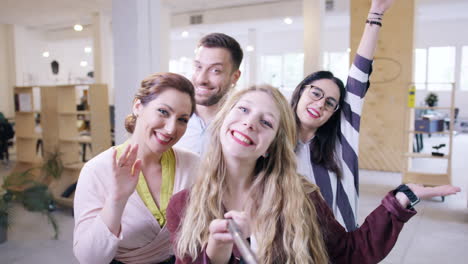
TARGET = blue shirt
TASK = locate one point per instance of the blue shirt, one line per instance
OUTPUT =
(196, 136)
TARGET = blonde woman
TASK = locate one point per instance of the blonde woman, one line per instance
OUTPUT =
(122, 193)
(249, 175)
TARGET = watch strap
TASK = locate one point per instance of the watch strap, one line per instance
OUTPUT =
(413, 198)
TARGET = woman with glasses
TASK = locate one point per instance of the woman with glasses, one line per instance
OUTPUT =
(328, 117)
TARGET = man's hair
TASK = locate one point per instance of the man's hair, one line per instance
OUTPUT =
(220, 40)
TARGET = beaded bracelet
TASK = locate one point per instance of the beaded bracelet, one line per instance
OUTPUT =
(378, 14)
(371, 22)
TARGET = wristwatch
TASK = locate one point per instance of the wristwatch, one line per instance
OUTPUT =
(409, 193)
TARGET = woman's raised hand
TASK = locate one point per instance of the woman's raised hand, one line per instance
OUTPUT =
(380, 6)
(126, 170)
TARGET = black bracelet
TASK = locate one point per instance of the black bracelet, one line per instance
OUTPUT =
(371, 22)
(377, 18)
(373, 13)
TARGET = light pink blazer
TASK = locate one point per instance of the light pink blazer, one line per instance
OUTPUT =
(141, 240)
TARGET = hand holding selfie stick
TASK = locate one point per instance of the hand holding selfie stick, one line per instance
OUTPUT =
(246, 252)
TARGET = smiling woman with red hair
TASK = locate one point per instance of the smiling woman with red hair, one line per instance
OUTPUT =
(122, 193)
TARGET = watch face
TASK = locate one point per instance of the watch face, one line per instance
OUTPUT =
(413, 203)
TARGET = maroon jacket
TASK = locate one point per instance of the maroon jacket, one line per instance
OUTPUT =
(368, 244)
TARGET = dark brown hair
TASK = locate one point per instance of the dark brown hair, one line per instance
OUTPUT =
(220, 40)
(153, 85)
(323, 146)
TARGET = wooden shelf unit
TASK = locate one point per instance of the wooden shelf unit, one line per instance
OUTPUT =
(69, 140)
(59, 119)
(425, 178)
(25, 127)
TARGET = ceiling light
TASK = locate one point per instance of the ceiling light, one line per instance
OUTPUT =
(45, 54)
(83, 63)
(250, 48)
(88, 49)
(288, 21)
(78, 27)
(185, 34)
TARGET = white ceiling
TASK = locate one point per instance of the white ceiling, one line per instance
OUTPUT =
(184, 6)
(50, 14)
(53, 14)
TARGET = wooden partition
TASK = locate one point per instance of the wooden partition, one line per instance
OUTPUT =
(382, 141)
(58, 122)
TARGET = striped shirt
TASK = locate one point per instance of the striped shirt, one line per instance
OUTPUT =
(342, 195)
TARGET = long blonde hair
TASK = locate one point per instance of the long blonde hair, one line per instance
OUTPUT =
(284, 220)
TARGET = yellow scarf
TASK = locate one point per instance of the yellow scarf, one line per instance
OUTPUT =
(168, 163)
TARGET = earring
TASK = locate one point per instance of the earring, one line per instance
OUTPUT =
(265, 155)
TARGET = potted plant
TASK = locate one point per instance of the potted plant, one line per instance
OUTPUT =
(52, 167)
(30, 188)
(33, 195)
(431, 99)
(4, 218)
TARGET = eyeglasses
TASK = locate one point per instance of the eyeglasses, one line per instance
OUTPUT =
(316, 94)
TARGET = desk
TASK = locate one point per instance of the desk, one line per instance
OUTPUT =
(426, 126)
(429, 125)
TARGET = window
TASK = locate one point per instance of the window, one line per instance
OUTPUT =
(420, 68)
(271, 72)
(434, 68)
(241, 83)
(293, 70)
(182, 66)
(440, 68)
(464, 69)
(337, 63)
(282, 71)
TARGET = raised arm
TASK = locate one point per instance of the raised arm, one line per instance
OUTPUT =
(357, 85)
(99, 205)
(375, 19)
(378, 234)
(126, 171)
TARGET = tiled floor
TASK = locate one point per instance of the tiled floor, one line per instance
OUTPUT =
(437, 234)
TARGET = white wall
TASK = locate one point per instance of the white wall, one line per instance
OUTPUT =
(28, 56)
(6, 72)
(69, 54)
(34, 69)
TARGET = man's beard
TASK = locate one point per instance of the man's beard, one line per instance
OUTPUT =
(213, 99)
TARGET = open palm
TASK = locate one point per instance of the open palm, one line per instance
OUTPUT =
(429, 192)
(126, 170)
